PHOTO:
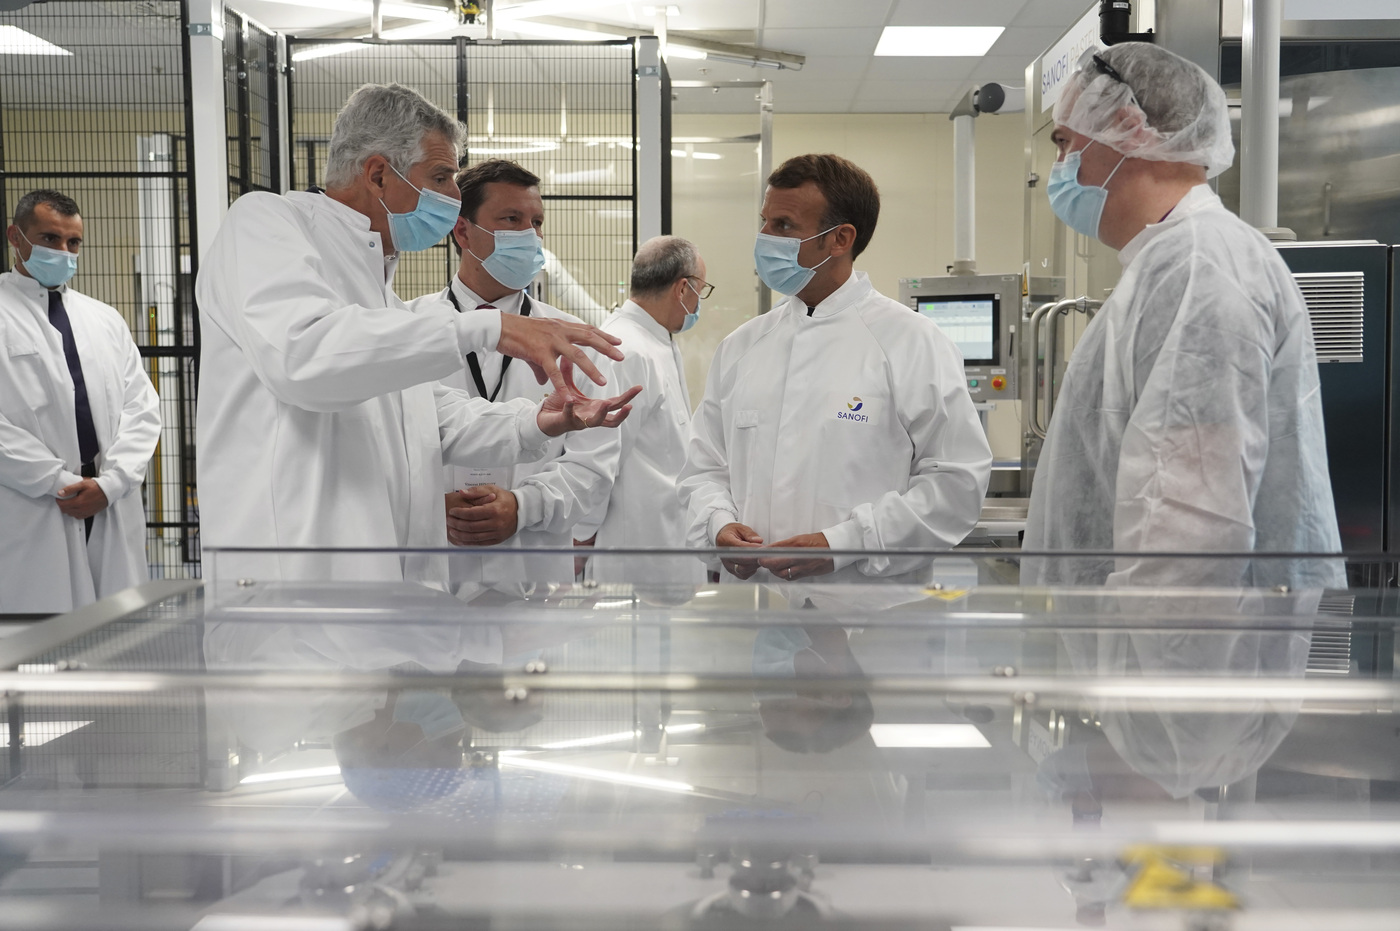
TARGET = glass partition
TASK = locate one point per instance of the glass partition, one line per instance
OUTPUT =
(956, 750)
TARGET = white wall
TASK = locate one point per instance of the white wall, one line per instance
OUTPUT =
(910, 156)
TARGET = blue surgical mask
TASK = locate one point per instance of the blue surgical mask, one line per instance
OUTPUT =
(49, 267)
(434, 712)
(1080, 206)
(775, 258)
(692, 317)
(517, 258)
(424, 226)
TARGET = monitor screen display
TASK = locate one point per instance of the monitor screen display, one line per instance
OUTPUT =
(969, 320)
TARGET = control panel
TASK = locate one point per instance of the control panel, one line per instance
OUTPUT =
(979, 313)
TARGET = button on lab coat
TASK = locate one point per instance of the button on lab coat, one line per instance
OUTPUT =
(46, 565)
(1190, 419)
(553, 492)
(644, 510)
(320, 423)
(854, 422)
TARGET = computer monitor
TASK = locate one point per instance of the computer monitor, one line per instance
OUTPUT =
(971, 321)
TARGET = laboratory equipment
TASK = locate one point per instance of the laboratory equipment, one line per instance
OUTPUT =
(979, 313)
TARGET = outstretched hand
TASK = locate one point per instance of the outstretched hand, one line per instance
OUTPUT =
(568, 409)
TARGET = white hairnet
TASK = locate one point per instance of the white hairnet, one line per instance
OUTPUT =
(1164, 109)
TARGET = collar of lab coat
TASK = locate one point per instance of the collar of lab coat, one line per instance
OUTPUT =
(348, 216)
(31, 288)
(1199, 198)
(855, 290)
(470, 300)
(636, 312)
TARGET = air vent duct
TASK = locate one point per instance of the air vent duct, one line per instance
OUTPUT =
(1336, 307)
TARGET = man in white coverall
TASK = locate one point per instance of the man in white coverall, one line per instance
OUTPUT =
(498, 234)
(841, 418)
(668, 284)
(79, 422)
(320, 423)
(1190, 418)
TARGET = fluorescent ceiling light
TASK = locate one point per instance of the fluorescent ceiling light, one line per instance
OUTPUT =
(546, 31)
(682, 153)
(38, 733)
(445, 22)
(943, 736)
(366, 8)
(709, 594)
(938, 41)
(290, 774)
(684, 51)
(598, 775)
(548, 8)
(15, 41)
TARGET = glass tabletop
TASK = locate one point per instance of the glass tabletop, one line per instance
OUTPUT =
(947, 749)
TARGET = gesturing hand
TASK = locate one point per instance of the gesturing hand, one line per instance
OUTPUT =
(568, 409)
(739, 535)
(82, 500)
(800, 567)
(545, 344)
(482, 515)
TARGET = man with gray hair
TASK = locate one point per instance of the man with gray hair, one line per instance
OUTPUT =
(668, 284)
(320, 422)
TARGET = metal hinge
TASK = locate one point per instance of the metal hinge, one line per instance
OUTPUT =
(207, 29)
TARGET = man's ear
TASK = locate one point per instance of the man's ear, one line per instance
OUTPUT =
(845, 239)
(375, 167)
(459, 234)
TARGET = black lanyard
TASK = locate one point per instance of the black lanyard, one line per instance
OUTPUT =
(475, 366)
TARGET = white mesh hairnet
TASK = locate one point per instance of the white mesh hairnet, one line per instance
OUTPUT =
(1164, 108)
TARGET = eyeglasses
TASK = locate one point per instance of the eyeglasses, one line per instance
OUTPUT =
(1103, 67)
(705, 289)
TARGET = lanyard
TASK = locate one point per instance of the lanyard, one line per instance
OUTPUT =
(475, 366)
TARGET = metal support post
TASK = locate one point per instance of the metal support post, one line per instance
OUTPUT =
(208, 149)
(1263, 23)
(964, 189)
(649, 152)
(765, 168)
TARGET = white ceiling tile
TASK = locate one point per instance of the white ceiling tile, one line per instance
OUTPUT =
(847, 42)
(1058, 13)
(1026, 41)
(920, 69)
(790, 14)
(955, 12)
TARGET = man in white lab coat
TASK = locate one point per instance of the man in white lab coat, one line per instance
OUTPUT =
(840, 420)
(668, 284)
(79, 422)
(1190, 419)
(320, 421)
(529, 505)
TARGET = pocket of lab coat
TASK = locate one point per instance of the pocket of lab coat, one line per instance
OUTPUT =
(29, 376)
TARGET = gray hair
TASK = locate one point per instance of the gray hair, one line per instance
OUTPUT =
(389, 120)
(661, 261)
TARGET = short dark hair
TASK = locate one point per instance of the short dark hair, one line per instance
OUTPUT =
(850, 192)
(472, 181)
(61, 203)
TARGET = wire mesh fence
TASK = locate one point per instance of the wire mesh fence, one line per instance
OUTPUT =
(95, 103)
(563, 110)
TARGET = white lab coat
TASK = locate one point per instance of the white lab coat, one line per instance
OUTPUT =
(644, 510)
(45, 564)
(553, 492)
(1190, 419)
(854, 422)
(320, 423)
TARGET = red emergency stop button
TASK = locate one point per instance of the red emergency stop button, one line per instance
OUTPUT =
(998, 382)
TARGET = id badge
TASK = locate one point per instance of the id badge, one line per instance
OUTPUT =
(468, 476)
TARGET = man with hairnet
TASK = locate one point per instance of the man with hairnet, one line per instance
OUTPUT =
(1190, 418)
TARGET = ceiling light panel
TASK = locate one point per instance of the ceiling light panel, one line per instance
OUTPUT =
(15, 41)
(937, 41)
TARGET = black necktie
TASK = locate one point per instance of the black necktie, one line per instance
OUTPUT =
(810, 310)
(87, 433)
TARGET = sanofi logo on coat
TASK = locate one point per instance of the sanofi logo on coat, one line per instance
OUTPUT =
(851, 412)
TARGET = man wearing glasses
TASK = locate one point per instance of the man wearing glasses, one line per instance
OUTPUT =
(668, 284)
